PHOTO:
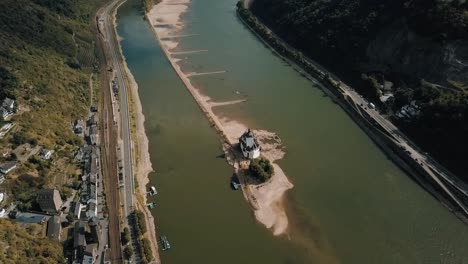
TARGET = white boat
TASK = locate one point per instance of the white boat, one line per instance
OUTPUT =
(235, 185)
(153, 191)
(165, 243)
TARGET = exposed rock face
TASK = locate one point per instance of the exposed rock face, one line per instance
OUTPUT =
(419, 47)
(401, 50)
(420, 39)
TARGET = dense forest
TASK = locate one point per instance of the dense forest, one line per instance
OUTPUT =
(414, 50)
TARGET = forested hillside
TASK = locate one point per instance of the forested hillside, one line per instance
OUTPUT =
(47, 55)
(413, 51)
(19, 245)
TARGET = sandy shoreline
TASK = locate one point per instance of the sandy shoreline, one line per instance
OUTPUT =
(266, 199)
(143, 165)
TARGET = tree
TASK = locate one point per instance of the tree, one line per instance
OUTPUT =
(19, 138)
(65, 193)
(125, 236)
(12, 157)
(128, 252)
(7, 83)
(261, 169)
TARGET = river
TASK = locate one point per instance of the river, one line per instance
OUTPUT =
(350, 203)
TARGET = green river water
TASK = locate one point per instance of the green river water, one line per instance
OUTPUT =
(350, 203)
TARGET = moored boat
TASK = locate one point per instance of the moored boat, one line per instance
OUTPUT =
(153, 191)
(165, 243)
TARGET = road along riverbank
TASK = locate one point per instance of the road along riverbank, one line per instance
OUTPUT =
(442, 185)
(141, 159)
(266, 199)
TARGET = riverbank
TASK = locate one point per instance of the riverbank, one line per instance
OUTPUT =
(143, 166)
(395, 145)
(266, 199)
(142, 163)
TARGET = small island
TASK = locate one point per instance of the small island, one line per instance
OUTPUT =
(257, 168)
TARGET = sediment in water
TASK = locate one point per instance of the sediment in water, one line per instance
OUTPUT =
(265, 199)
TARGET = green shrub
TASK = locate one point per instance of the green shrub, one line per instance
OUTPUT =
(125, 236)
(146, 248)
(261, 169)
(128, 252)
(140, 222)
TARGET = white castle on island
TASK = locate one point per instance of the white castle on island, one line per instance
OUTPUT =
(249, 145)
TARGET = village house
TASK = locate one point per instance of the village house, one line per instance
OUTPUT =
(46, 153)
(4, 113)
(78, 127)
(90, 254)
(6, 128)
(8, 104)
(77, 211)
(7, 167)
(8, 108)
(93, 120)
(91, 209)
(409, 111)
(93, 137)
(79, 240)
(95, 236)
(49, 200)
(54, 227)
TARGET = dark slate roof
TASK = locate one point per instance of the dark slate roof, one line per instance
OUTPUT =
(93, 119)
(46, 194)
(54, 227)
(94, 221)
(7, 165)
(79, 234)
(93, 131)
(94, 163)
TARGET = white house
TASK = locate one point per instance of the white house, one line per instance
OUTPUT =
(8, 108)
(249, 145)
(5, 113)
(409, 111)
(8, 104)
(46, 153)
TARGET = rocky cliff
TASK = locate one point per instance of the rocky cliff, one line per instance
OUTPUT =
(408, 56)
(398, 48)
